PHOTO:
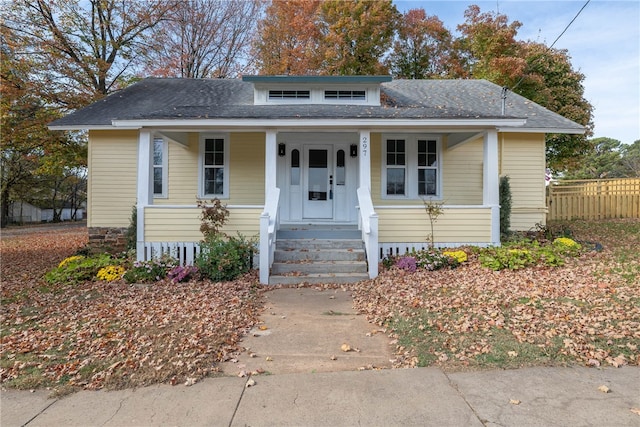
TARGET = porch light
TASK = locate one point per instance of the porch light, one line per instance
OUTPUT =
(353, 150)
(282, 149)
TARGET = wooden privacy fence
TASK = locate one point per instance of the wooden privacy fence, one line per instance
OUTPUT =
(594, 199)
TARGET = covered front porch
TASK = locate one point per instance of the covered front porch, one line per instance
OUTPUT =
(314, 176)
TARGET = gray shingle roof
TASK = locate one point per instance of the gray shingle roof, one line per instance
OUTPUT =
(181, 99)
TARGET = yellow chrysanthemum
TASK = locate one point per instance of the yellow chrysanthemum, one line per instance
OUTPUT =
(567, 242)
(460, 256)
(70, 259)
(110, 273)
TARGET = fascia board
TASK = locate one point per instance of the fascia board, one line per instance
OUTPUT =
(571, 131)
(320, 123)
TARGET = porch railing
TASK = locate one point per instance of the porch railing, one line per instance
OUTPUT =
(368, 224)
(269, 224)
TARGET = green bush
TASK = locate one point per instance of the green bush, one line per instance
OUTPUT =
(223, 259)
(505, 205)
(76, 270)
(150, 271)
(528, 253)
(501, 258)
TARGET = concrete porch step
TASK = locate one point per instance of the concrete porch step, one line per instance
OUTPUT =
(317, 267)
(317, 244)
(317, 278)
(317, 255)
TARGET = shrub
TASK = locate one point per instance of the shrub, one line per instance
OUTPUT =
(223, 259)
(182, 273)
(501, 258)
(70, 260)
(132, 231)
(212, 217)
(567, 246)
(150, 271)
(110, 273)
(78, 269)
(434, 260)
(460, 256)
(504, 195)
(406, 263)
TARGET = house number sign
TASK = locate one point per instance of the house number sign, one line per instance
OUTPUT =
(364, 146)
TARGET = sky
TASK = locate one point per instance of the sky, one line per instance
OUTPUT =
(603, 43)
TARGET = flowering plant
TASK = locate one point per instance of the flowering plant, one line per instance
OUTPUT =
(70, 259)
(182, 273)
(567, 246)
(150, 271)
(110, 273)
(460, 256)
(407, 263)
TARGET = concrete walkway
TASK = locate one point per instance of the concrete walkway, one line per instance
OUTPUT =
(309, 388)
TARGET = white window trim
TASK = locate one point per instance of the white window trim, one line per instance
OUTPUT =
(411, 165)
(165, 169)
(225, 184)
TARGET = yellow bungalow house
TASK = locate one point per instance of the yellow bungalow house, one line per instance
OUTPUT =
(284, 152)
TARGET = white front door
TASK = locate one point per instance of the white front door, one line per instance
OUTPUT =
(318, 185)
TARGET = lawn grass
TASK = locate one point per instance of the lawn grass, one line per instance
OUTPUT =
(584, 312)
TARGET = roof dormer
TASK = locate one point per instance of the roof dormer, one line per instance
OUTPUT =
(331, 90)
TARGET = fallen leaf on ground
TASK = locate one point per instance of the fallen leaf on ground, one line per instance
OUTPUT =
(604, 389)
(515, 402)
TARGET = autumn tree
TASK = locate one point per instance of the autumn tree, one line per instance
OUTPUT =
(488, 48)
(289, 40)
(550, 80)
(357, 35)
(203, 38)
(29, 151)
(422, 49)
(83, 49)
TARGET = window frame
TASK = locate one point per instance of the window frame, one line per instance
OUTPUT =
(164, 166)
(202, 167)
(411, 167)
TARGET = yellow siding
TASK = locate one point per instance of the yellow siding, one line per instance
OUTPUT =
(453, 226)
(182, 175)
(462, 174)
(183, 224)
(523, 160)
(113, 157)
(246, 180)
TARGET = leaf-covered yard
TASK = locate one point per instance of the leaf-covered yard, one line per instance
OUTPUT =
(100, 334)
(586, 312)
(113, 334)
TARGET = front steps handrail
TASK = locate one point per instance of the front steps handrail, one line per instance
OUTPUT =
(368, 224)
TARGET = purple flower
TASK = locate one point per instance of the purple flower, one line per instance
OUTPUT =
(407, 263)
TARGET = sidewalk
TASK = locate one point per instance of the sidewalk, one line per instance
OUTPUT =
(309, 381)
(406, 397)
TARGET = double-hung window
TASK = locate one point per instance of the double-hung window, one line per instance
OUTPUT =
(214, 166)
(396, 167)
(411, 167)
(159, 168)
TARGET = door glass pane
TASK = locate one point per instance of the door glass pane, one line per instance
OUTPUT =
(318, 175)
(340, 168)
(295, 167)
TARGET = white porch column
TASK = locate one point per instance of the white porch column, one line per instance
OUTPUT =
(145, 185)
(491, 180)
(364, 155)
(270, 157)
